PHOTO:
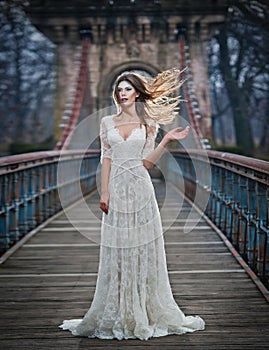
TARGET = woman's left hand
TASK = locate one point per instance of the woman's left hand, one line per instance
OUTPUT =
(177, 134)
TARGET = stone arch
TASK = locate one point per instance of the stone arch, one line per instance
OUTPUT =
(105, 84)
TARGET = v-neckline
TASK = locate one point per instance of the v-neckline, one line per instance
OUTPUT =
(118, 130)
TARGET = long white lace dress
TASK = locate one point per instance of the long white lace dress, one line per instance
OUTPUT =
(133, 297)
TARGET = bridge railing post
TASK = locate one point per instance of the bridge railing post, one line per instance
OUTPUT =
(13, 209)
(30, 199)
(4, 233)
(23, 226)
(252, 224)
(262, 216)
(38, 212)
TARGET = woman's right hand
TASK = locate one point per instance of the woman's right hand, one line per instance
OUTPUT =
(104, 202)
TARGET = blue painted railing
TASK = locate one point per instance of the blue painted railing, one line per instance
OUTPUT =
(237, 189)
(233, 189)
(33, 188)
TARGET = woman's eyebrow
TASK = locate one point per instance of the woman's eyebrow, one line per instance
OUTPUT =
(126, 87)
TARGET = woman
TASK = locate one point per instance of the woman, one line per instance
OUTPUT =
(133, 297)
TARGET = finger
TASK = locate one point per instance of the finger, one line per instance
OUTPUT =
(105, 210)
(104, 207)
(186, 130)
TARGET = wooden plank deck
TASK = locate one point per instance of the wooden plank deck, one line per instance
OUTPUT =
(52, 277)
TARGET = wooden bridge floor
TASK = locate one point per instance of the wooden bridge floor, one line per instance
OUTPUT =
(52, 277)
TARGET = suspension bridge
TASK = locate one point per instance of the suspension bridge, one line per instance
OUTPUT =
(217, 254)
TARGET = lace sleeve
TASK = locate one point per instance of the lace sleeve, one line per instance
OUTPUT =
(106, 151)
(150, 141)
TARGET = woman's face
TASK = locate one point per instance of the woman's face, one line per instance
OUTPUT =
(127, 94)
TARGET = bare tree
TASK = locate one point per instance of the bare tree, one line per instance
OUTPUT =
(240, 57)
(26, 77)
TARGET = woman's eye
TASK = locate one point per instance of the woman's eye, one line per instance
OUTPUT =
(128, 89)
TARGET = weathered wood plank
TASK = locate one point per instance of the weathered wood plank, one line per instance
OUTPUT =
(52, 277)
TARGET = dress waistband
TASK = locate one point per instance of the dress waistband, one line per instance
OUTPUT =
(127, 160)
(124, 165)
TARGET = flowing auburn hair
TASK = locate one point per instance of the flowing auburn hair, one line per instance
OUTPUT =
(157, 100)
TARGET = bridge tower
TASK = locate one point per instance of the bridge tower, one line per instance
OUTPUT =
(127, 35)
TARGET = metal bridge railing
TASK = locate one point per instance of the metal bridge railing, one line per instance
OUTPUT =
(30, 187)
(238, 189)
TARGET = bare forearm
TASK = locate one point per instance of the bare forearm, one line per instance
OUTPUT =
(155, 155)
(106, 166)
(174, 134)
